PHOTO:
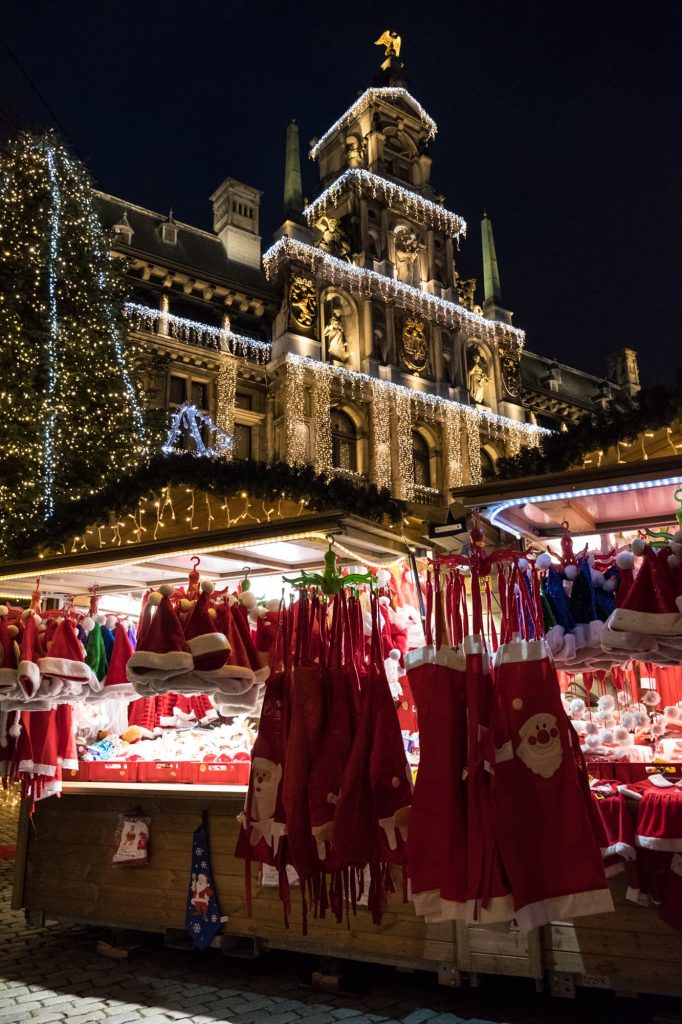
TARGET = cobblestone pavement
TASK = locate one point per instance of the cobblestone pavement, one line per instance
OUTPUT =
(55, 974)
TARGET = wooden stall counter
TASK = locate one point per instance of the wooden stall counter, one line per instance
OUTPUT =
(65, 872)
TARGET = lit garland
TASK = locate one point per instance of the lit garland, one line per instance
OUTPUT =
(369, 284)
(323, 423)
(294, 412)
(192, 332)
(473, 437)
(363, 102)
(188, 417)
(403, 412)
(226, 391)
(452, 445)
(381, 428)
(364, 183)
(53, 338)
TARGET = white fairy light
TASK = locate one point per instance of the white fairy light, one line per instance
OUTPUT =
(321, 398)
(403, 413)
(51, 404)
(194, 332)
(472, 430)
(381, 428)
(452, 445)
(190, 417)
(363, 103)
(364, 183)
(373, 285)
(296, 433)
(226, 389)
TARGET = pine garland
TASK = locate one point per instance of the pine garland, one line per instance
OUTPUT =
(654, 409)
(223, 479)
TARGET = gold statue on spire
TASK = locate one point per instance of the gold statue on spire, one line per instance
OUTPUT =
(392, 41)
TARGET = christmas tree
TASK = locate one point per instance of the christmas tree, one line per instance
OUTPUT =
(71, 416)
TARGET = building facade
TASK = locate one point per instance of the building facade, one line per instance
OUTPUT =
(353, 343)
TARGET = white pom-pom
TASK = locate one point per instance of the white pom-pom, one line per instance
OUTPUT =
(606, 736)
(592, 742)
(591, 728)
(101, 618)
(651, 699)
(609, 585)
(591, 560)
(606, 702)
(248, 599)
(154, 599)
(622, 698)
(207, 586)
(186, 605)
(577, 706)
(638, 546)
(640, 718)
(675, 547)
(273, 604)
(544, 560)
(4, 610)
(88, 623)
(603, 715)
(673, 712)
(657, 729)
(383, 600)
(625, 560)
(627, 720)
(39, 620)
(394, 654)
(621, 735)
(383, 578)
(166, 589)
(522, 564)
(26, 614)
(110, 621)
(597, 578)
(570, 572)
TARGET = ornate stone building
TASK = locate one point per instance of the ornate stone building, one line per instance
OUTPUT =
(355, 344)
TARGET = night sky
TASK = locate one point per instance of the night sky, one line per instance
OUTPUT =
(561, 119)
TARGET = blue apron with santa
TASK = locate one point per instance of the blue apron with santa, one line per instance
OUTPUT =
(203, 918)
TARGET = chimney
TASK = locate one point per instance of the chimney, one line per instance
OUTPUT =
(235, 220)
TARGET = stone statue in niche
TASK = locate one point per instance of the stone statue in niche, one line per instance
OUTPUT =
(466, 291)
(333, 238)
(335, 338)
(356, 151)
(414, 346)
(477, 377)
(407, 256)
(303, 301)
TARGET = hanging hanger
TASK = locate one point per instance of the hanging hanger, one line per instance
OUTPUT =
(330, 581)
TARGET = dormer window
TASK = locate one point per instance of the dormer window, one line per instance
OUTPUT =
(123, 230)
(169, 231)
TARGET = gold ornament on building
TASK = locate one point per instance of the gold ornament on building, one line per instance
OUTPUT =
(510, 360)
(414, 349)
(303, 301)
(391, 41)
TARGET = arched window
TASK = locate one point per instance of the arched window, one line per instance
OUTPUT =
(422, 460)
(487, 465)
(344, 441)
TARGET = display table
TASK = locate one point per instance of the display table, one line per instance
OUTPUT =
(65, 872)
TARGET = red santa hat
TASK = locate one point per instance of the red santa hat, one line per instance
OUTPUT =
(65, 659)
(28, 671)
(650, 607)
(209, 648)
(162, 651)
(8, 661)
(116, 680)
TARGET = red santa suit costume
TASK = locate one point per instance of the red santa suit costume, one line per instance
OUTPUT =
(615, 827)
(542, 818)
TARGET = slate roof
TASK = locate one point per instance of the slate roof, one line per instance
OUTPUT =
(197, 252)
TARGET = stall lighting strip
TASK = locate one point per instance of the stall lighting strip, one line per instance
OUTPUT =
(494, 513)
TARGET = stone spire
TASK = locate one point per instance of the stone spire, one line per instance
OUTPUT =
(492, 290)
(293, 189)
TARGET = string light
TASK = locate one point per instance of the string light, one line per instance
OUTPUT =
(473, 437)
(53, 336)
(188, 417)
(403, 413)
(452, 445)
(370, 284)
(226, 389)
(192, 332)
(296, 433)
(321, 395)
(381, 428)
(364, 101)
(364, 184)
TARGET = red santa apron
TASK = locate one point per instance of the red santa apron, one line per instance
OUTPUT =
(542, 818)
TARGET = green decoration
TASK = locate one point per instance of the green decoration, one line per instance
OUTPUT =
(95, 654)
(330, 581)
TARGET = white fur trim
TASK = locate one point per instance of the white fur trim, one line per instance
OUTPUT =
(621, 849)
(208, 643)
(497, 910)
(421, 656)
(649, 623)
(521, 650)
(659, 843)
(563, 908)
(29, 678)
(427, 904)
(171, 661)
(9, 678)
(64, 668)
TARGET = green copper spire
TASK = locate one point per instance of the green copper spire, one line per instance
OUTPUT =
(492, 290)
(293, 189)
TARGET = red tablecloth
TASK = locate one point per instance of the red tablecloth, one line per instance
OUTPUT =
(624, 771)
